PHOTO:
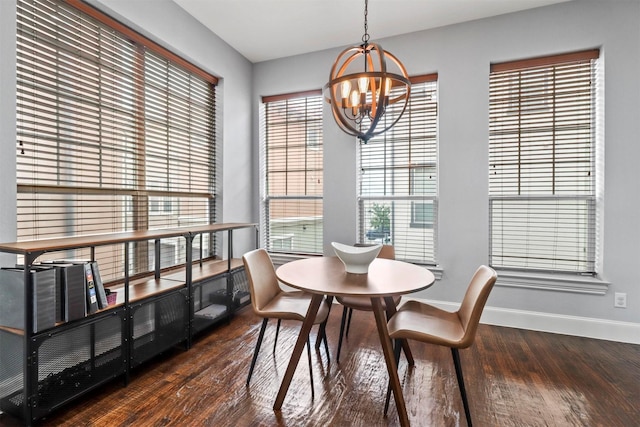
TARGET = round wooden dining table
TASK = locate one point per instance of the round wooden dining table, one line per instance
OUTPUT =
(322, 276)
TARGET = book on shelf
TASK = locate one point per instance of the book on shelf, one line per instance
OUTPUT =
(92, 298)
(12, 302)
(100, 291)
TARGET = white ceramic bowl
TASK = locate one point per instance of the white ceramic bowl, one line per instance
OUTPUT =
(356, 259)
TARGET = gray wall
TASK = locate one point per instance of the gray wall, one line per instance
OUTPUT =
(7, 124)
(461, 54)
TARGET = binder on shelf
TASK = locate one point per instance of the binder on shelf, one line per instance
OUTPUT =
(100, 291)
(70, 283)
(12, 301)
(92, 299)
(59, 299)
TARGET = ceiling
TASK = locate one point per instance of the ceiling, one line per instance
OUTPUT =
(268, 29)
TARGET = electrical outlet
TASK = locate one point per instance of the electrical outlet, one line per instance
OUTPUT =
(620, 300)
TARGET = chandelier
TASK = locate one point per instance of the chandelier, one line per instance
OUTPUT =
(368, 88)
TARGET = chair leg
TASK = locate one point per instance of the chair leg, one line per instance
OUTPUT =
(407, 353)
(397, 346)
(349, 322)
(342, 324)
(326, 346)
(322, 336)
(275, 341)
(257, 349)
(323, 327)
(310, 366)
(463, 393)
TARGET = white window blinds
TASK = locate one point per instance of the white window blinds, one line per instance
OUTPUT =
(292, 155)
(542, 152)
(112, 134)
(398, 201)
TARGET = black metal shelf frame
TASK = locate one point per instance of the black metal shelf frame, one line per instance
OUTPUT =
(31, 402)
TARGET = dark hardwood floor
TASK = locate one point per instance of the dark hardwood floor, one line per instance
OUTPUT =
(513, 378)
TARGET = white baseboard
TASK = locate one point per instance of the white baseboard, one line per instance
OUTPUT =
(587, 327)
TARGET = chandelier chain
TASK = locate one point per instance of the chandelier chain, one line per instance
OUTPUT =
(365, 36)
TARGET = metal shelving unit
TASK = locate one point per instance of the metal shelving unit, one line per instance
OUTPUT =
(41, 371)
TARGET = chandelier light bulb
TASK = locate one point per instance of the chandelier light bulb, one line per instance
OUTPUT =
(346, 89)
(355, 100)
(363, 84)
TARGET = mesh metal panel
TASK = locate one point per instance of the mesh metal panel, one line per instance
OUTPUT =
(76, 360)
(213, 302)
(68, 363)
(11, 378)
(158, 325)
(214, 291)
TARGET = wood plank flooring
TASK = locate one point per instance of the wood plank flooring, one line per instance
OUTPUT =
(513, 378)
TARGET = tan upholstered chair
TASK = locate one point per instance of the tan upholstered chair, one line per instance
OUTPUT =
(360, 303)
(269, 301)
(422, 322)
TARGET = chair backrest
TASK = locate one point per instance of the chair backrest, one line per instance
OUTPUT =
(263, 283)
(387, 252)
(473, 303)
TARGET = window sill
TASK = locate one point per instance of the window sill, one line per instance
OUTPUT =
(282, 258)
(553, 282)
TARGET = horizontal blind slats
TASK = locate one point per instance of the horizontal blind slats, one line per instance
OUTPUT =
(541, 164)
(111, 136)
(293, 157)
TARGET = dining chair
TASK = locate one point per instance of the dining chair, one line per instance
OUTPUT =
(418, 321)
(270, 301)
(350, 303)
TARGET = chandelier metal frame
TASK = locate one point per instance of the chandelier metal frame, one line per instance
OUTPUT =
(360, 99)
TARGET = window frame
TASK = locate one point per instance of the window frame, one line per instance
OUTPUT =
(529, 188)
(419, 141)
(309, 199)
(130, 193)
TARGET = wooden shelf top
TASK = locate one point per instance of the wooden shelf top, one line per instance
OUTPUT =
(62, 243)
(143, 288)
(208, 269)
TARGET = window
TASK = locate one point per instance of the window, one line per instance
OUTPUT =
(542, 164)
(292, 179)
(397, 202)
(114, 133)
(422, 183)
